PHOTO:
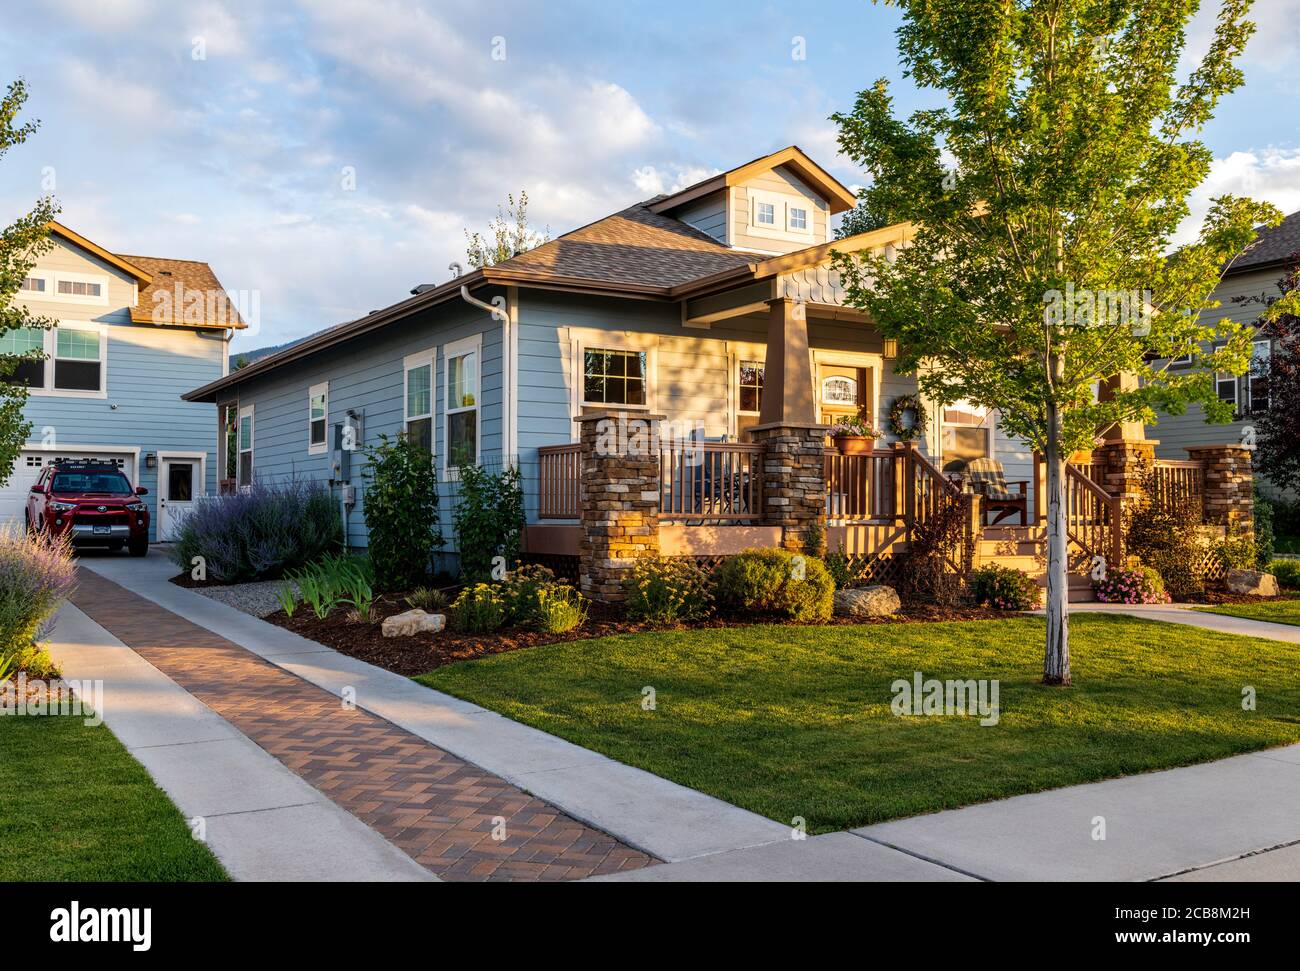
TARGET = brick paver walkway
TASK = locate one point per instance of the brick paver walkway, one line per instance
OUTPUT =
(434, 806)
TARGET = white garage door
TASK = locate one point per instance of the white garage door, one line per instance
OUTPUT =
(13, 494)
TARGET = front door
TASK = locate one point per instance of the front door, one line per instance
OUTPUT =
(841, 390)
(177, 487)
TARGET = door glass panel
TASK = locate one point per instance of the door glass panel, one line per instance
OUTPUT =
(180, 482)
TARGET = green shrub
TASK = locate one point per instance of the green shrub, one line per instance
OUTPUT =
(560, 609)
(479, 609)
(1287, 573)
(1236, 552)
(1264, 535)
(522, 590)
(1004, 588)
(664, 592)
(429, 599)
(792, 585)
(489, 519)
(844, 572)
(287, 594)
(401, 510)
(814, 541)
(334, 580)
(1168, 538)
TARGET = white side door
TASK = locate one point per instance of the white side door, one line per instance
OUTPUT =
(179, 481)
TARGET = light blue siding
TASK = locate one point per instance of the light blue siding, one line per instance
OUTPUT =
(148, 370)
(366, 375)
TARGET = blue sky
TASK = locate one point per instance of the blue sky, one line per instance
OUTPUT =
(240, 156)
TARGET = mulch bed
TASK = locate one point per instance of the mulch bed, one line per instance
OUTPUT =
(421, 653)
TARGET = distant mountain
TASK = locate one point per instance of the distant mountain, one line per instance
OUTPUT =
(241, 359)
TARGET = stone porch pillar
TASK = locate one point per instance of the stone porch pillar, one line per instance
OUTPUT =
(619, 497)
(1229, 486)
(794, 478)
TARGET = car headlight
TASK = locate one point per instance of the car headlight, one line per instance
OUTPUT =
(136, 506)
(63, 506)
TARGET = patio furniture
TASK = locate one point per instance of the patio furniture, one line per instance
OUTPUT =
(988, 479)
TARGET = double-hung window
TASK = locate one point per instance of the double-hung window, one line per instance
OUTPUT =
(317, 417)
(417, 417)
(20, 342)
(246, 447)
(78, 360)
(461, 361)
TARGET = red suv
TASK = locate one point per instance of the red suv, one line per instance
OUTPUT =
(93, 503)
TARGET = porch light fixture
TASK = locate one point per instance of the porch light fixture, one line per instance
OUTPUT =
(891, 347)
(150, 460)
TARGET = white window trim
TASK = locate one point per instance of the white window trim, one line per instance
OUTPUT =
(782, 204)
(876, 362)
(51, 345)
(990, 428)
(427, 357)
(101, 279)
(46, 294)
(468, 345)
(738, 351)
(201, 486)
(318, 389)
(1249, 376)
(581, 340)
(252, 446)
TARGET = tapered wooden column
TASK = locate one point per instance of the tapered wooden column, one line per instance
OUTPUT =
(788, 398)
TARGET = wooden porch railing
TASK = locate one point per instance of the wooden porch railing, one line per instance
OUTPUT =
(1175, 481)
(861, 487)
(1092, 516)
(559, 479)
(711, 481)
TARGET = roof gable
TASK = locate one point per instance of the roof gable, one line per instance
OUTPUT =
(1272, 246)
(839, 198)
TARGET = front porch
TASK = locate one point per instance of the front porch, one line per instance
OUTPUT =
(712, 500)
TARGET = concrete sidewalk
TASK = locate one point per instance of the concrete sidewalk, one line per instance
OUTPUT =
(1187, 614)
(261, 820)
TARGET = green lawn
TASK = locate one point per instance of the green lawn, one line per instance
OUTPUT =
(796, 721)
(74, 805)
(1274, 611)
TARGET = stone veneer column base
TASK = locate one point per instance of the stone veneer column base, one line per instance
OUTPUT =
(1229, 485)
(794, 478)
(619, 497)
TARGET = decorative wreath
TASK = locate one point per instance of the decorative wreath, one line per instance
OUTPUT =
(902, 405)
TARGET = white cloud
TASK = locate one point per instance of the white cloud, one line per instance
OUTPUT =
(1268, 175)
(107, 17)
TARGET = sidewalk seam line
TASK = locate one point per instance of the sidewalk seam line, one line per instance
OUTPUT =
(921, 856)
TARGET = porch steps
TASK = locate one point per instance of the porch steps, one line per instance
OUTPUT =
(1025, 548)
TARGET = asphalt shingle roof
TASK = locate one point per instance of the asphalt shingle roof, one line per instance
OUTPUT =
(635, 246)
(1271, 246)
(193, 277)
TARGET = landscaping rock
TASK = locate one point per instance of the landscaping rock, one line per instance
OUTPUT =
(878, 601)
(413, 622)
(1252, 583)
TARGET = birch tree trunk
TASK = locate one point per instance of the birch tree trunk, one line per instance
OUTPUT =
(1056, 663)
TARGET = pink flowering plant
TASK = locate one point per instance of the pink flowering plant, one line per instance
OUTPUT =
(1004, 588)
(1139, 585)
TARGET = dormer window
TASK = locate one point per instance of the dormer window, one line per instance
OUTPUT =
(798, 219)
(764, 214)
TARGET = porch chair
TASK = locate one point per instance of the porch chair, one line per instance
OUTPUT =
(988, 479)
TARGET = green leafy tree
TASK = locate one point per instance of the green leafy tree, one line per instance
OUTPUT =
(21, 243)
(1044, 199)
(489, 520)
(401, 512)
(508, 235)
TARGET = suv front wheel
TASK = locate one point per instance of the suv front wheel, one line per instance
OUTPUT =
(138, 546)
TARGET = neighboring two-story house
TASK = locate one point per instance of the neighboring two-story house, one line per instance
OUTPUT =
(1249, 285)
(132, 334)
